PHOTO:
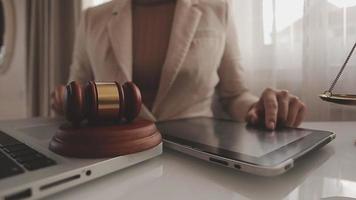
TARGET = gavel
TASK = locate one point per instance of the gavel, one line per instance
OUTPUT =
(101, 101)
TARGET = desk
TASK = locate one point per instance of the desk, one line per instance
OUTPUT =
(327, 173)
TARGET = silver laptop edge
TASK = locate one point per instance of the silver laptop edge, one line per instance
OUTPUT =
(67, 173)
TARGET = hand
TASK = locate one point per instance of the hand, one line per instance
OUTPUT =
(277, 107)
(57, 99)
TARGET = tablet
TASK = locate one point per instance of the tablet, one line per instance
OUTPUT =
(242, 147)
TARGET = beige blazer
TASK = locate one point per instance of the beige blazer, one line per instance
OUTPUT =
(203, 55)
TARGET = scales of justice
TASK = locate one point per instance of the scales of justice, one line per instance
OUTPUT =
(344, 99)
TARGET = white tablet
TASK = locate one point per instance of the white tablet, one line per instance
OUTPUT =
(236, 145)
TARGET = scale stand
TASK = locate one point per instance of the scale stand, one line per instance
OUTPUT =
(344, 99)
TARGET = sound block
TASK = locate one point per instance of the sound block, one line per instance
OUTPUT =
(105, 141)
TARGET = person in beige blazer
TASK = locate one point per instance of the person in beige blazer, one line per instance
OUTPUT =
(202, 57)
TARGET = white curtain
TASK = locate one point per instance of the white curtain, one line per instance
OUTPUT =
(299, 45)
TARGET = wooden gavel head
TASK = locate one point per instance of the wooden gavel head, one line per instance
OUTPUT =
(101, 101)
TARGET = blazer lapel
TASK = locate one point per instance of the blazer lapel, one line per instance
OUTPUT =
(120, 34)
(186, 21)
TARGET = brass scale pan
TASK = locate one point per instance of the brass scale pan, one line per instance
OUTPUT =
(344, 99)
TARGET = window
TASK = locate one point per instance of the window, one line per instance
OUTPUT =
(276, 19)
(91, 3)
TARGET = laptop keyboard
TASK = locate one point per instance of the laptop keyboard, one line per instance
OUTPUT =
(8, 167)
(15, 156)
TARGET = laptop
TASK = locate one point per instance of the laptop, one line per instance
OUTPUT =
(241, 147)
(28, 170)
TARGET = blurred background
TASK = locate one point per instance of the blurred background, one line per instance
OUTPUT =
(297, 45)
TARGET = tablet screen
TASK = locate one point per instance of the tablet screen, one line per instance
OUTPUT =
(231, 136)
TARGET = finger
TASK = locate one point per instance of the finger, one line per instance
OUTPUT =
(55, 105)
(53, 102)
(271, 108)
(61, 93)
(283, 106)
(294, 106)
(56, 97)
(300, 116)
(252, 116)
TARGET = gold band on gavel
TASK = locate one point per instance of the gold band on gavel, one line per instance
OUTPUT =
(108, 100)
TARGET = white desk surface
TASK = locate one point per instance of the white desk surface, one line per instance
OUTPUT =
(329, 173)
